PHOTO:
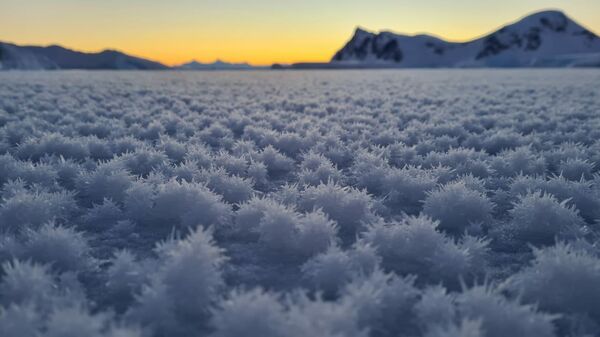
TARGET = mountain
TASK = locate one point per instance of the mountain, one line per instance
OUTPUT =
(547, 38)
(56, 57)
(217, 65)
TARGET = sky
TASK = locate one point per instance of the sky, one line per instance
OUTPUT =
(260, 32)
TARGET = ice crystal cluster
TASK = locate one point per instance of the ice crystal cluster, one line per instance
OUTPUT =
(304, 203)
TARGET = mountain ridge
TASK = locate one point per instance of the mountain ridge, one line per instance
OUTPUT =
(55, 57)
(216, 65)
(52, 57)
(533, 40)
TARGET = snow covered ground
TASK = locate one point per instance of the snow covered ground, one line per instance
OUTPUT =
(301, 203)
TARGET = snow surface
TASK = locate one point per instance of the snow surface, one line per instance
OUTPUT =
(305, 203)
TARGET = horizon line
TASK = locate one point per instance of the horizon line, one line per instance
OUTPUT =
(253, 64)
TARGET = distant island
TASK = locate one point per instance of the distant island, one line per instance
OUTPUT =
(217, 65)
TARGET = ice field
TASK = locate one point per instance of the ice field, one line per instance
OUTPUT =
(454, 203)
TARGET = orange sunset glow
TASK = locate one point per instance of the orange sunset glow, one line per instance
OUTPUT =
(259, 32)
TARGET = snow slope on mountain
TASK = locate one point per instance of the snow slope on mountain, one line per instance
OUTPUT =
(540, 36)
(56, 57)
(570, 60)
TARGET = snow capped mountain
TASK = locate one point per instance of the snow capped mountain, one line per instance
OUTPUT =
(56, 57)
(217, 65)
(547, 38)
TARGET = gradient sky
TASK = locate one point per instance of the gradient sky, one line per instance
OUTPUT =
(257, 31)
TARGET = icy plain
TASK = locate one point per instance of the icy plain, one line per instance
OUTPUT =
(300, 203)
